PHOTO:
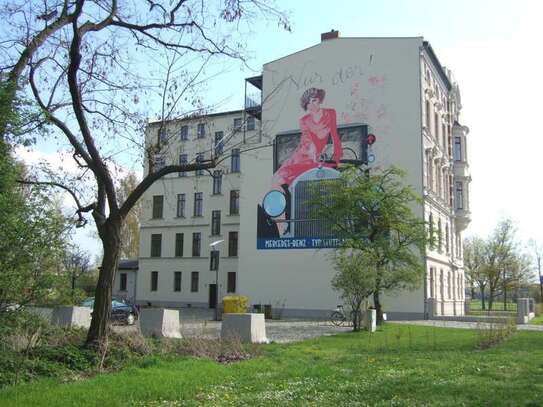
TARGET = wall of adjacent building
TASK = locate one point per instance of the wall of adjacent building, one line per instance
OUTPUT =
(370, 81)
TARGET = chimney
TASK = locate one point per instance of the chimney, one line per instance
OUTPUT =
(329, 35)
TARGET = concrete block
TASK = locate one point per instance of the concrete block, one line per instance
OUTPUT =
(370, 320)
(45, 313)
(245, 327)
(160, 322)
(524, 307)
(72, 317)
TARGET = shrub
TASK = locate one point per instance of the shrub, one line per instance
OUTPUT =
(495, 333)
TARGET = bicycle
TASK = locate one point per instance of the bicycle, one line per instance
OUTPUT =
(339, 318)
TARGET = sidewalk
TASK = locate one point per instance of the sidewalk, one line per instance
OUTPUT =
(466, 325)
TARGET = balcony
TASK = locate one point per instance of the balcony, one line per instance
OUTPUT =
(462, 218)
(253, 96)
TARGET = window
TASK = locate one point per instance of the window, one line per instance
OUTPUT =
(427, 117)
(443, 137)
(235, 161)
(122, 285)
(184, 133)
(179, 243)
(219, 143)
(439, 236)
(449, 285)
(199, 159)
(231, 282)
(237, 123)
(198, 203)
(162, 135)
(159, 163)
(429, 170)
(177, 281)
(183, 160)
(447, 244)
(201, 130)
(251, 123)
(196, 244)
(234, 202)
(436, 127)
(217, 182)
(459, 195)
(232, 244)
(432, 283)
(457, 149)
(158, 206)
(154, 280)
(215, 223)
(194, 282)
(431, 231)
(214, 260)
(180, 212)
(156, 245)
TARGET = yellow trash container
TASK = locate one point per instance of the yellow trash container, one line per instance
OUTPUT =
(235, 304)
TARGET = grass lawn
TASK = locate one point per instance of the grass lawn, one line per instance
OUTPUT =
(537, 320)
(401, 365)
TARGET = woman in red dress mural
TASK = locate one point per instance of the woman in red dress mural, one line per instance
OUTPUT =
(317, 127)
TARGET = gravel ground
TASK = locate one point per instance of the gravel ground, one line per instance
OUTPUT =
(276, 331)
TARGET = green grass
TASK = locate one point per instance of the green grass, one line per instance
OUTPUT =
(400, 365)
(538, 320)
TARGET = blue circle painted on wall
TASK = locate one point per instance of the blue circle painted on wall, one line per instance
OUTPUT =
(274, 203)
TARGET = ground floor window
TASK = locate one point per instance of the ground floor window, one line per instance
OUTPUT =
(231, 283)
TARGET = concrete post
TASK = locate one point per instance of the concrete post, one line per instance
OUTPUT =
(160, 322)
(523, 310)
(249, 328)
(72, 317)
(370, 320)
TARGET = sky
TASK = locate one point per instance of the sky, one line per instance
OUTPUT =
(491, 47)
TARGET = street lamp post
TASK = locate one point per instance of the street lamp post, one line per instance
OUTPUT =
(215, 255)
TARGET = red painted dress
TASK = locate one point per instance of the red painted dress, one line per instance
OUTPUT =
(313, 140)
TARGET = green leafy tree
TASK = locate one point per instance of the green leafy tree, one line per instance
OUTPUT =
(474, 265)
(355, 280)
(34, 234)
(371, 213)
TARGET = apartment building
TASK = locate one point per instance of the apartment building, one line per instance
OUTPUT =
(304, 117)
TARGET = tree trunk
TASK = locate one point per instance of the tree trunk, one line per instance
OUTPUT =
(483, 298)
(378, 308)
(490, 299)
(109, 233)
(504, 298)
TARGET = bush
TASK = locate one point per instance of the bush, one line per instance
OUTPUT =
(495, 333)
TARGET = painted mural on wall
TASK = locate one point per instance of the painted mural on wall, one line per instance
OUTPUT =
(303, 158)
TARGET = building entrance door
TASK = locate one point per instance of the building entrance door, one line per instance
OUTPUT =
(212, 295)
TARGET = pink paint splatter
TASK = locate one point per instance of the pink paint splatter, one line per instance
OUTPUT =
(376, 80)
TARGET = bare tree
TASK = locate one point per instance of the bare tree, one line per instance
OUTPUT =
(537, 254)
(93, 67)
(76, 262)
(130, 230)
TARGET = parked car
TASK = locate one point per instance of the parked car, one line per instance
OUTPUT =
(121, 310)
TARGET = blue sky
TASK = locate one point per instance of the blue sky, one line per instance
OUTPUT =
(491, 47)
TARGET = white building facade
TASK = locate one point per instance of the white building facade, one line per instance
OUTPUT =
(306, 115)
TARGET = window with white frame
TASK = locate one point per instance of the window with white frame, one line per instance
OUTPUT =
(459, 196)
